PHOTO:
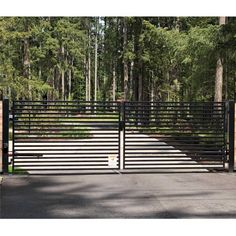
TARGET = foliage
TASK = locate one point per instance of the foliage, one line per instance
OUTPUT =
(169, 58)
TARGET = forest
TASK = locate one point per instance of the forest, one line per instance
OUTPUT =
(118, 58)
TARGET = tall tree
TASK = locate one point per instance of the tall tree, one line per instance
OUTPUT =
(219, 71)
(26, 55)
(96, 59)
(138, 78)
(125, 63)
(88, 59)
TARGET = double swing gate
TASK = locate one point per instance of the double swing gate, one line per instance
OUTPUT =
(76, 135)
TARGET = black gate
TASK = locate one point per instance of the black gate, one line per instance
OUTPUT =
(168, 135)
(65, 135)
(75, 135)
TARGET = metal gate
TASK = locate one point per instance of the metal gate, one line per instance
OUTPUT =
(74, 135)
(65, 135)
(168, 135)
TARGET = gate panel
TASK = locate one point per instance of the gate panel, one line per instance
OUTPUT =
(65, 135)
(168, 135)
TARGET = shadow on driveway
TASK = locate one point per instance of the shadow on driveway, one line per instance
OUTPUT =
(194, 195)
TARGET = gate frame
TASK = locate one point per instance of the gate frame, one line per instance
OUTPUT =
(5, 134)
(231, 134)
(122, 135)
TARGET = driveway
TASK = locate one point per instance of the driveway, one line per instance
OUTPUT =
(162, 195)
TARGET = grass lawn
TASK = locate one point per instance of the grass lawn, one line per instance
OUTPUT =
(18, 170)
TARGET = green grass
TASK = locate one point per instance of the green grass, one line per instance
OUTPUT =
(17, 170)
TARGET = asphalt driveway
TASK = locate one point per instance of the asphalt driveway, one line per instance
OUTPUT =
(162, 195)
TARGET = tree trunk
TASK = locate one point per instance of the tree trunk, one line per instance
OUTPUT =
(152, 87)
(114, 83)
(50, 82)
(222, 20)
(135, 81)
(137, 61)
(140, 83)
(62, 74)
(177, 24)
(89, 73)
(63, 84)
(88, 88)
(69, 80)
(53, 88)
(168, 82)
(69, 83)
(86, 78)
(96, 61)
(40, 67)
(131, 80)
(125, 64)
(218, 81)
(26, 57)
(226, 79)
(57, 83)
(219, 71)
(26, 63)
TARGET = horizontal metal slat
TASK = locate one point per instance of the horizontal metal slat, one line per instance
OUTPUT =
(177, 163)
(176, 167)
(24, 156)
(87, 144)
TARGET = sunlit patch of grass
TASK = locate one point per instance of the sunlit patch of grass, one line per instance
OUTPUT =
(17, 170)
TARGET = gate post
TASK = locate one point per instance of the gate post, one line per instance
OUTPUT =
(232, 134)
(1, 135)
(122, 134)
(4, 133)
